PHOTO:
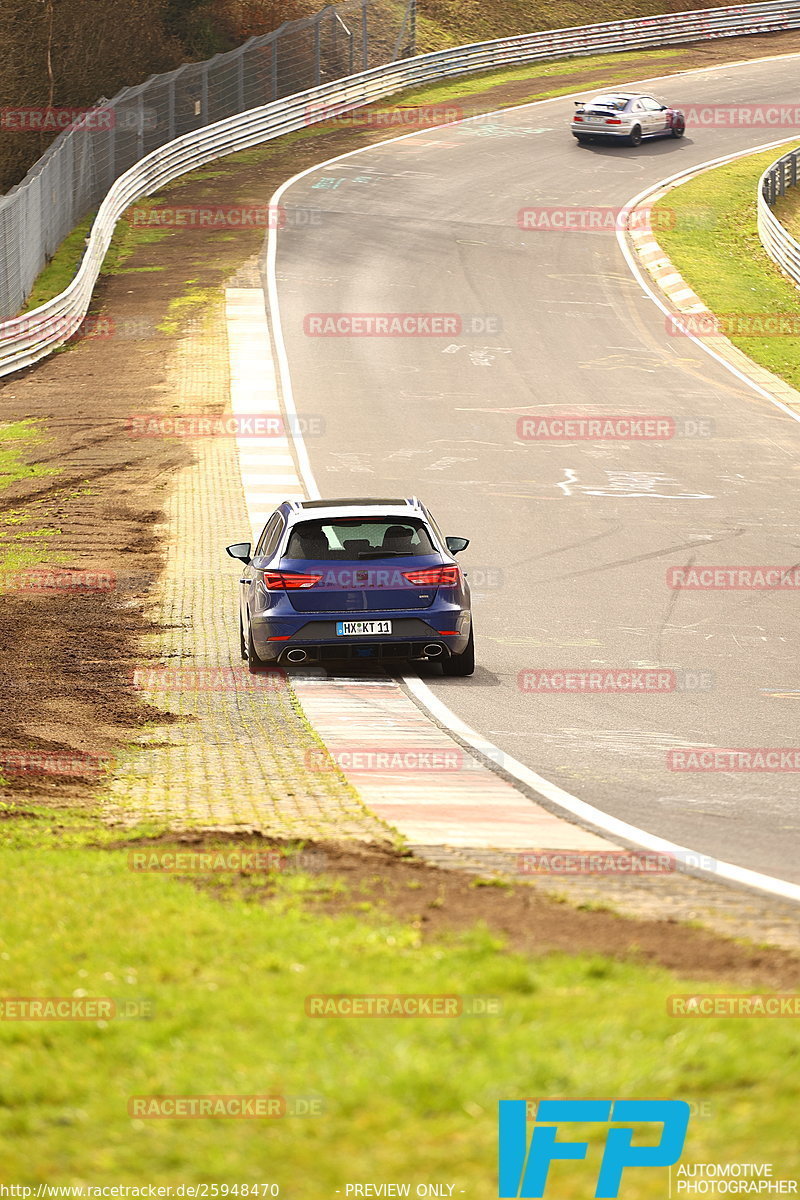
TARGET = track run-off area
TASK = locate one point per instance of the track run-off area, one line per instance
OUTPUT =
(571, 541)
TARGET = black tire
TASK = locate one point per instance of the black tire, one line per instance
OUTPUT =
(581, 139)
(679, 128)
(254, 663)
(461, 664)
(635, 136)
(242, 642)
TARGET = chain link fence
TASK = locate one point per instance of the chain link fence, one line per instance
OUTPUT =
(78, 168)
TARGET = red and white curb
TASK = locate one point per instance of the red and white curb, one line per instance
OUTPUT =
(658, 265)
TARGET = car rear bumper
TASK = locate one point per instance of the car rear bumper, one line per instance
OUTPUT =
(411, 639)
(598, 132)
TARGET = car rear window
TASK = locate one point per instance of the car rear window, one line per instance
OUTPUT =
(359, 537)
(617, 103)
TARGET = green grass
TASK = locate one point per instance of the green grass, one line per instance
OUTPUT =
(716, 247)
(15, 439)
(129, 236)
(192, 303)
(404, 1099)
(60, 271)
(20, 548)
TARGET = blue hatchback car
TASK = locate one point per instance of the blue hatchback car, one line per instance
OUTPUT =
(359, 580)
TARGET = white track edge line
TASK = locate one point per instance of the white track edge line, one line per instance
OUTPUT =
(586, 812)
(562, 799)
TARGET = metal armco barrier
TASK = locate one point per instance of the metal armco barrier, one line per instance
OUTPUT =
(777, 241)
(26, 339)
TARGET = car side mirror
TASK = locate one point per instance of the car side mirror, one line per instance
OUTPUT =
(240, 550)
(455, 544)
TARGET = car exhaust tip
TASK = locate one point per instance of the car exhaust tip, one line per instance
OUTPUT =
(296, 656)
(432, 650)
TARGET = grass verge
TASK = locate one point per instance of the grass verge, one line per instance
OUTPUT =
(714, 243)
(20, 548)
(61, 270)
(225, 980)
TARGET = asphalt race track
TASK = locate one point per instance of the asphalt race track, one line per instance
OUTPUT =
(570, 541)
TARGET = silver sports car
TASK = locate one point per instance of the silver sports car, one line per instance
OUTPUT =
(626, 116)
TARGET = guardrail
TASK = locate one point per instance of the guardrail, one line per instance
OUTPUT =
(26, 339)
(777, 241)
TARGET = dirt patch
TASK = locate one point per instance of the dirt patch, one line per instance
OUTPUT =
(66, 660)
(440, 902)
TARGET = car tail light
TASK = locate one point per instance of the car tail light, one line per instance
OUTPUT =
(577, 118)
(613, 121)
(434, 577)
(276, 581)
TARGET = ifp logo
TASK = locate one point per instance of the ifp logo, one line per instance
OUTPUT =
(523, 1168)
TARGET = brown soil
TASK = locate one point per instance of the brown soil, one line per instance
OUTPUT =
(440, 902)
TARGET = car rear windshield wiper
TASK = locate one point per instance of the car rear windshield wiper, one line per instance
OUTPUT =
(382, 554)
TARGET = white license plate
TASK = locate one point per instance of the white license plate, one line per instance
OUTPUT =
(362, 628)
